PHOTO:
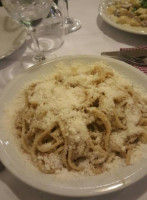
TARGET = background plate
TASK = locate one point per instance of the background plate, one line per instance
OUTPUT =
(75, 187)
(107, 18)
(12, 36)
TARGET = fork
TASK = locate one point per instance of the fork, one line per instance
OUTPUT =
(140, 60)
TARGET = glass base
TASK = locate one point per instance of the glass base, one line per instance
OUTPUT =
(49, 43)
(72, 24)
(39, 57)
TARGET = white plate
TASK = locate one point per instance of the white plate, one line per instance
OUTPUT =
(107, 18)
(85, 186)
(12, 36)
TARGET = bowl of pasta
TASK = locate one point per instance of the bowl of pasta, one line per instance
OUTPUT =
(76, 125)
(126, 15)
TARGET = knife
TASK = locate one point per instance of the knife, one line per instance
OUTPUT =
(132, 53)
(134, 57)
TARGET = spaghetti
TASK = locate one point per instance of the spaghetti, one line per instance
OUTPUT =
(81, 118)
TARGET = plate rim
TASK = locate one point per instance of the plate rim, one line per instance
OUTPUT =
(62, 192)
(130, 29)
(10, 51)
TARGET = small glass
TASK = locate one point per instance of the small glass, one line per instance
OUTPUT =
(50, 32)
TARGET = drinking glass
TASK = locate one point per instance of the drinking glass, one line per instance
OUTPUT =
(50, 32)
(30, 13)
(71, 24)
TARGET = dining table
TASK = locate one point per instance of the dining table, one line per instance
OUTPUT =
(94, 36)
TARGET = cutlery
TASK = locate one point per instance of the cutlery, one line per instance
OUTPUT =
(135, 57)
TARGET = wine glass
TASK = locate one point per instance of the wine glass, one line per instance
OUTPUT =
(71, 24)
(30, 13)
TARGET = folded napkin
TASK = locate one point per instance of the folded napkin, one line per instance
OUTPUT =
(141, 68)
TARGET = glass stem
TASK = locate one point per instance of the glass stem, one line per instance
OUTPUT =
(66, 9)
(38, 56)
(66, 1)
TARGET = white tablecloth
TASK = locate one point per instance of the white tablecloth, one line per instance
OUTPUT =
(94, 37)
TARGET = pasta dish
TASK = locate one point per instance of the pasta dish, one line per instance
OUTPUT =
(131, 12)
(81, 118)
